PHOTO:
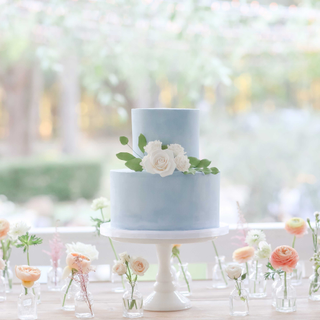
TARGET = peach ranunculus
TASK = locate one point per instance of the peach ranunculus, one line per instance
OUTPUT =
(296, 226)
(176, 246)
(139, 266)
(28, 275)
(284, 257)
(4, 228)
(243, 255)
(78, 262)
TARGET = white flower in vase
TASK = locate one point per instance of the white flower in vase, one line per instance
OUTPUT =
(264, 251)
(153, 146)
(182, 162)
(119, 268)
(100, 203)
(177, 149)
(124, 257)
(233, 270)
(139, 266)
(254, 237)
(87, 250)
(160, 162)
(18, 229)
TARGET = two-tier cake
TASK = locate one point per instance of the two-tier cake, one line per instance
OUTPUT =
(169, 188)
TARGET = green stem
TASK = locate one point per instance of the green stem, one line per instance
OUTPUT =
(114, 251)
(133, 150)
(220, 266)
(25, 291)
(28, 259)
(294, 241)
(247, 268)
(102, 214)
(65, 295)
(184, 274)
(285, 285)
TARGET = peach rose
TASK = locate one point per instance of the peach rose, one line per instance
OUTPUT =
(78, 262)
(139, 266)
(244, 254)
(297, 227)
(4, 228)
(284, 257)
(28, 275)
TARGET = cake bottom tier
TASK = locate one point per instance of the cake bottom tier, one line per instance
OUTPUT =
(144, 201)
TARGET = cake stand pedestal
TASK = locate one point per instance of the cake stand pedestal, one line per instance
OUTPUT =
(165, 296)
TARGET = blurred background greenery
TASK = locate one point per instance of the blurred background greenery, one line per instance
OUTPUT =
(72, 70)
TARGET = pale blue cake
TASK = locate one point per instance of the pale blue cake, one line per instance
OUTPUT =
(144, 201)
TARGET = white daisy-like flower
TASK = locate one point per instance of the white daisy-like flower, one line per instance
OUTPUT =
(87, 250)
(100, 203)
(264, 250)
(254, 237)
(177, 149)
(18, 229)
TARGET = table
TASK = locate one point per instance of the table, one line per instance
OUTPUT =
(206, 304)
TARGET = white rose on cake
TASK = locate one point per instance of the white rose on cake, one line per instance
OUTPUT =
(139, 266)
(159, 162)
(153, 146)
(176, 149)
(182, 162)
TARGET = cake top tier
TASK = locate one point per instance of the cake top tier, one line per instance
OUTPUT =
(170, 126)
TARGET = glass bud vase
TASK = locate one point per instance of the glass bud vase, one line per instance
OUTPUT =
(238, 301)
(3, 289)
(8, 276)
(184, 280)
(54, 276)
(296, 279)
(68, 292)
(314, 285)
(257, 282)
(286, 295)
(36, 290)
(132, 302)
(118, 282)
(27, 305)
(83, 299)
(219, 277)
(275, 285)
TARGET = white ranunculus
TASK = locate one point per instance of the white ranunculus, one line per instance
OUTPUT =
(182, 162)
(254, 237)
(119, 268)
(153, 146)
(100, 203)
(18, 229)
(2, 264)
(160, 162)
(234, 271)
(139, 266)
(176, 149)
(87, 250)
(124, 257)
(264, 250)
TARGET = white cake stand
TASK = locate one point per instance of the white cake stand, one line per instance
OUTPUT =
(165, 296)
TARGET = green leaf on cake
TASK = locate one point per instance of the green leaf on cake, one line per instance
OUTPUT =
(203, 163)
(190, 171)
(214, 170)
(134, 164)
(142, 142)
(164, 147)
(194, 161)
(124, 140)
(206, 170)
(126, 156)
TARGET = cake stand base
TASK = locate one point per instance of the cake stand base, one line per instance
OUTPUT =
(165, 296)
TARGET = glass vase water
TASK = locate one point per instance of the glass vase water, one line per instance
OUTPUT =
(238, 300)
(257, 282)
(54, 276)
(275, 285)
(36, 290)
(296, 279)
(286, 295)
(314, 285)
(219, 277)
(27, 304)
(132, 302)
(184, 280)
(118, 282)
(8, 276)
(68, 292)
(83, 299)
(3, 288)
(173, 270)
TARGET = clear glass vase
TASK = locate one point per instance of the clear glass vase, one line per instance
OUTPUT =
(286, 295)
(132, 302)
(219, 277)
(118, 282)
(238, 301)
(173, 271)
(257, 282)
(54, 276)
(275, 285)
(36, 289)
(296, 279)
(68, 292)
(184, 280)
(83, 299)
(3, 289)
(8, 276)
(27, 305)
(314, 285)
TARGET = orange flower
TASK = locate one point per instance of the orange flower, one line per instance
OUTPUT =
(176, 246)
(296, 227)
(244, 254)
(28, 275)
(284, 257)
(4, 228)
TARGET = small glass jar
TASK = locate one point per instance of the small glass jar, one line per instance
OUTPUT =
(132, 302)
(174, 272)
(238, 301)
(286, 295)
(219, 277)
(296, 279)
(27, 305)
(257, 282)
(36, 290)
(8, 276)
(68, 292)
(83, 299)
(3, 289)
(118, 282)
(314, 285)
(54, 276)
(275, 285)
(184, 280)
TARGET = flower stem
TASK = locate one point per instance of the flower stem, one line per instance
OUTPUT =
(256, 276)
(113, 249)
(247, 268)
(102, 214)
(220, 266)
(65, 295)
(25, 291)
(184, 274)
(28, 259)
(285, 285)
(294, 241)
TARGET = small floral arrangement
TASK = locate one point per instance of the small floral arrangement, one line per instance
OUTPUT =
(297, 227)
(98, 205)
(26, 241)
(28, 276)
(234, 272)
(243, 255)
(163, 159)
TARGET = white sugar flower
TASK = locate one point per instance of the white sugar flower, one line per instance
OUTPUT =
(254, 237)
(153, 146)
(87, 250)
(233, 270)
(139, 266)
(119, 268)
(2, 264)
(176, 149)
(264, 250)
(100, 203)
(182, 162)
(18, 229)
(124, 257)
